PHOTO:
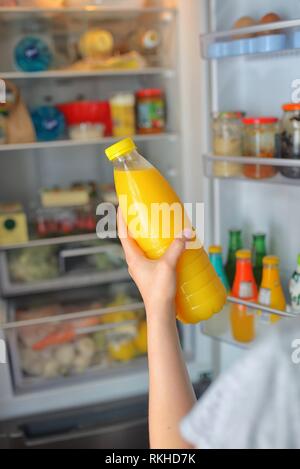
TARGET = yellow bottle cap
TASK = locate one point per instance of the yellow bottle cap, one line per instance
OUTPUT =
(215, 250)
(271, 260)
(121, 148)
(243, 254)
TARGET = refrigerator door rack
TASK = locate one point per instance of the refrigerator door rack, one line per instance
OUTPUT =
(281, 37)
(235, 167)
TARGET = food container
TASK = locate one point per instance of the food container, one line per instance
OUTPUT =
(260, 141)
(269, 43)
(227, 141)
(150, 108)
(289, 139)
(123, 114)
(13, 224)
(33, 54)
(49, 123)
(87, 119)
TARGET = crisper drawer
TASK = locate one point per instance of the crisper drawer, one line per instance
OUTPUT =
(61, 339)
(60, 266)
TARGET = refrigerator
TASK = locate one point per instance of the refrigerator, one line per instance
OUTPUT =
(198, 81)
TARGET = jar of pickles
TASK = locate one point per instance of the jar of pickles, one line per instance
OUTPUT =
(260, 141)
(227, 141)
(289, 139)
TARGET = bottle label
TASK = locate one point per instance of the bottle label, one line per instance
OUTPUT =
(245, 290)
(264, 297)
(295, 292)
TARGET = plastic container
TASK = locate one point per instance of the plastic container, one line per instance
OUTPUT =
(294, 40)
(244, 288)
(227, 141)
(270, 43)
(289, 140)
(123, 114)
(150, 106)
(200, 292)
(238, 47)
(65, 221)
(260, 141)
(49, 123)
(32, 54)
(86, 131)
(271, 292)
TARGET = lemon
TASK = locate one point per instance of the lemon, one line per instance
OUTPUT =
(122, 351)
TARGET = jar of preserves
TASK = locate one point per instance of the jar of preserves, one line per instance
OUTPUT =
(260, 141)
(227, 141)
(150, 108)
(123, 114)
(289, 139)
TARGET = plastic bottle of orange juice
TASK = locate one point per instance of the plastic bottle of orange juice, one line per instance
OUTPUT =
(271, 292)
(142, 190)
(244, 288)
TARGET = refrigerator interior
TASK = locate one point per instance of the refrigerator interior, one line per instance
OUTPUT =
(258, 85)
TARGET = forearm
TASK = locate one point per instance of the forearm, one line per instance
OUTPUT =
(171, 392)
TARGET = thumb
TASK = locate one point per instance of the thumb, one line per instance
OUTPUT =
(177, 247)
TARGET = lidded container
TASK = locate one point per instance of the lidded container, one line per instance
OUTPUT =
(227, 129)
(289, 140)
(123, 114)
(151, 114)
(260, 141)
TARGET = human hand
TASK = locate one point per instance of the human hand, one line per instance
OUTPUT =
(155, 279)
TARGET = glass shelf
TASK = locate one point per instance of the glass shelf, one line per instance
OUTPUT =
(219, 327)
(77, 143)
(264, 170)
(61, 74)
(282, 36)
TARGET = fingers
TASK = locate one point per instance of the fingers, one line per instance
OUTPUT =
(131, 249)
(178, 246)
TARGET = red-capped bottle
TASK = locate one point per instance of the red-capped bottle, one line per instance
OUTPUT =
(244, 288)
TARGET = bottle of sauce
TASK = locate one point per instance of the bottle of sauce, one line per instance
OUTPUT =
(271, 292)
(235, 243)
(244, 288)
(141, 188)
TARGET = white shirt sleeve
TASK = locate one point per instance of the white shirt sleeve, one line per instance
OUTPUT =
(254, 405)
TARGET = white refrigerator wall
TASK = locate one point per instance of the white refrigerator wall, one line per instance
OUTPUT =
(258, 86)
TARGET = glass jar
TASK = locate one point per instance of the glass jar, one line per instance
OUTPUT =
(150, 111)
(123, 114)
(260, 141)
(3, 131)
(289, 139)
(227, 141)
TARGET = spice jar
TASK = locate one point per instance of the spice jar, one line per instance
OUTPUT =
(227, 141)
(3, 131)
(150, 109)
(260, 141)
(123, 114)
(289, 139)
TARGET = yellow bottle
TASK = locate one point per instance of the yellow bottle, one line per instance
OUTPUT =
(142, 190)
(271, 292)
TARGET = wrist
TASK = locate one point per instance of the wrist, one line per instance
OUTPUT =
(162, 312)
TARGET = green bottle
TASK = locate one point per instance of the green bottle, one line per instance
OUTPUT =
(235, 243)
(258, 253)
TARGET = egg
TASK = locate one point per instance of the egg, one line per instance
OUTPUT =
(244, 22)
(269, 18)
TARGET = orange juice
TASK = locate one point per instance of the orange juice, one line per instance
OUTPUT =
(154, 214)
(271, 292)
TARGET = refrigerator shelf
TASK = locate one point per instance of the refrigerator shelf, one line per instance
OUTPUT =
(171, 137)
(51, 241)
(64, 74)
(281, 36)
(219, 327)
(264, 170)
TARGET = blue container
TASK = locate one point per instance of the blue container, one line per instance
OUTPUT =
(49, 123)
(238, 47)
(217, 262)
(32, 54)
(217, 50)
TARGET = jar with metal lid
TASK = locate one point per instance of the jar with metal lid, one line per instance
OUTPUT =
(260, 141)
(123, 114)
(289, 139)
(227, 141)
(150, 108)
